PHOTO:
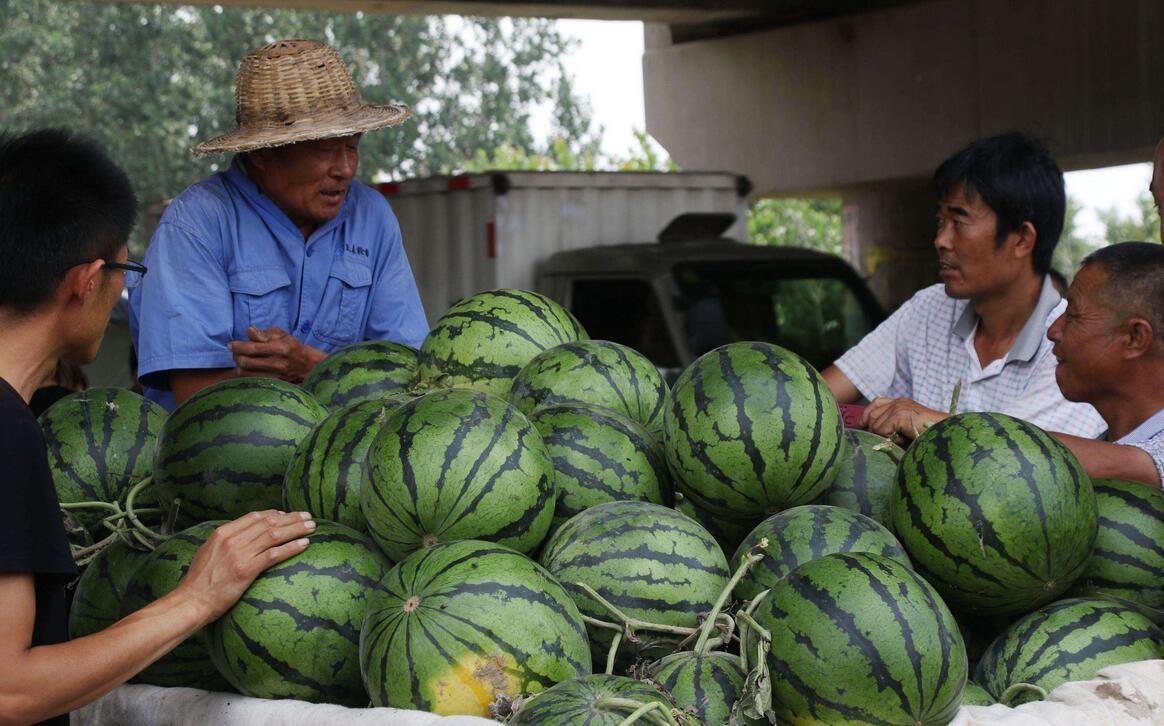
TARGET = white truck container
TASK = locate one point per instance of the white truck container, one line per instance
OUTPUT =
(474, 232)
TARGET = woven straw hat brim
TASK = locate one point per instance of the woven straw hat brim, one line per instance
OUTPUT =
(330, 125)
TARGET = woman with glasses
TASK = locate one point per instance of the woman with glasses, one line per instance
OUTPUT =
(65, 214)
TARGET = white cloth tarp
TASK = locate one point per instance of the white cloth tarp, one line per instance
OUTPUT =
(1131, 694)
(141, 705)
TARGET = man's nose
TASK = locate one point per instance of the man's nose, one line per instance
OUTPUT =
(1056, 330)
(345, 165)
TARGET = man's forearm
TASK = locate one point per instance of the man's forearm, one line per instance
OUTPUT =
(843, 389)
(1105, 460)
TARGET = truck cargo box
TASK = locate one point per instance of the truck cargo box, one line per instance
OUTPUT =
(474, 232)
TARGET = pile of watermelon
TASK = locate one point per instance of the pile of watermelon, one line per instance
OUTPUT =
(521, 523)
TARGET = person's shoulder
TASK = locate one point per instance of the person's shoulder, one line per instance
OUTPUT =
(929, 301)
(200, 203)
(17, 422)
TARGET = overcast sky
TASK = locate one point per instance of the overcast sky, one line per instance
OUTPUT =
(607, 68)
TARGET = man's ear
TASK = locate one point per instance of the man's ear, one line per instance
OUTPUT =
(81, 281)
(1139, 337)
(1025, 238)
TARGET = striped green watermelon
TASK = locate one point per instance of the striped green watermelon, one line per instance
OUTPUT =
(594, 371)
(455, 626)
(804, 533)
(485, 339)
(97, 598)
(866, 476)
(295, 633)
(707, 685)
(861, 638)
(728, 532)
(327, 469)
(1128, 560)
(998, 515)
(225, 451)
(600, 456)
(751, 430)
(597, 700)
(1068, 640)
(362, 372)
(457, 464)
(976, 695)
(651, 562)
(100, 443)
(188, 664)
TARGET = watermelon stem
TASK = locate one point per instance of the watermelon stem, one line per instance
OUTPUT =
(132, 512)
(701, 645)
(629, 624)
(613, 653)
(757, 692)
(638, 710)
(1008, 696)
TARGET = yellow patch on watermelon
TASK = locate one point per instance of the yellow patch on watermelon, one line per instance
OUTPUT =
(468, 688)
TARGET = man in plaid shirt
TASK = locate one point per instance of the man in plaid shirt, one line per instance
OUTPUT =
(981, 331)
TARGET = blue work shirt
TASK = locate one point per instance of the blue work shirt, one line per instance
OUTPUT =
(225, 256)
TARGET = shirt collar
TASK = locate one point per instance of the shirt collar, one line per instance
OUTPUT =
(1146, 430)
(1026, 345)
(238, 177)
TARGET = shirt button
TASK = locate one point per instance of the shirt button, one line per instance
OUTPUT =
(310, 250)
(305, 327)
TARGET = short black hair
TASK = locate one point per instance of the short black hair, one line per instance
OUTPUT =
(1135, 281)
(63, 202)
(1017, 178)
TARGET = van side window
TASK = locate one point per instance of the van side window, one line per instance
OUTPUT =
(624, 311)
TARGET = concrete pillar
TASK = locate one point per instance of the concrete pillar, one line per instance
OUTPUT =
(889, 236)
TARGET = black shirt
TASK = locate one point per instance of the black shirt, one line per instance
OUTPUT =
(32, 536)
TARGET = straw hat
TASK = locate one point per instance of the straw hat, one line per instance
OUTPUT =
(297, 90)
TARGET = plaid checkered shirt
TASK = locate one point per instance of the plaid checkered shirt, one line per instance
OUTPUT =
(927, 346)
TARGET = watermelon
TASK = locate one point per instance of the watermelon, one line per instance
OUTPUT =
(295, 633)
(861, 638)
(976, 695)
(594, 371)
(707, 685)
(327, 468)
(485, 339)
(649, 561)
(188, 664)
(597, 700)
(225, 451)
(866, 476)
(457, 464)
(751, 430)
(97, 599)
(100, 443)
(1128, 560)
(362, 372)
(728, 532)
(804, 533)
(455, 627)
(998, 515)
(1068, 640)
(600, 456)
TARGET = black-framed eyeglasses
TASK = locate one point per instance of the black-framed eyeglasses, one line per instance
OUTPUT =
(134, 271)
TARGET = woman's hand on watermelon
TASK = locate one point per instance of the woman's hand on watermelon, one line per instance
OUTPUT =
(238, 552)
(902, 417)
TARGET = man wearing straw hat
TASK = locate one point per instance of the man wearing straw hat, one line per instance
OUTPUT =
(265, 268)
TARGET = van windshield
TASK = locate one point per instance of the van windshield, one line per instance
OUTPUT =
(814, 314)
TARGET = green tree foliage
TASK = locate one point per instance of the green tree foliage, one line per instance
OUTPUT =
(1073, 246)
(149, 81)
(812, 223)
(1142, 225)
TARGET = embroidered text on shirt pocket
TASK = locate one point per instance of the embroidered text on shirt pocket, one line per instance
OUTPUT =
(260, 298)
(341, 313)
